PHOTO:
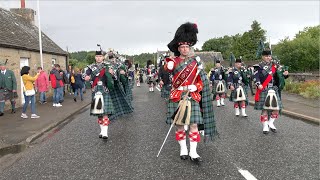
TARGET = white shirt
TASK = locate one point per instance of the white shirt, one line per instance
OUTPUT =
(4, 72)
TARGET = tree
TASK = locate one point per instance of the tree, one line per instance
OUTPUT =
(73, 62)
(247, 45)
(301, 53)
(244, 45)
(90, 58)
(221, 44)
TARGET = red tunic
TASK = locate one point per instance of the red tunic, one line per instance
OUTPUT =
(184, 78)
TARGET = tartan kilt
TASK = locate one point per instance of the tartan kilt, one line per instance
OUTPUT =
(196, 116)
(7, 95)
(108, 108)
(258, 105)
(164, 92)
(233, 95)
(151, 80)
(214, 87)
(128, 90)
(120, 101)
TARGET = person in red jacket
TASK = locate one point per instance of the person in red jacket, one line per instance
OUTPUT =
(42, 85)
(57, 85)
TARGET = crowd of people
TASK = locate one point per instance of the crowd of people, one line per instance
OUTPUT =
(70, 81)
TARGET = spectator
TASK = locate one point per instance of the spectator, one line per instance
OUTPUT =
(28, 86)
(68, 73)
(8, 87)
(42, 85)
(65, 81)
(57, 84)
(78, 85)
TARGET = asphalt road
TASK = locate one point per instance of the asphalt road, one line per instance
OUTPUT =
(242, 151)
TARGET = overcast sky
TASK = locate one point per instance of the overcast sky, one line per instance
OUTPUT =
(133, 27)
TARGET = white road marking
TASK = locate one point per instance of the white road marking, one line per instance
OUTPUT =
(246, 174)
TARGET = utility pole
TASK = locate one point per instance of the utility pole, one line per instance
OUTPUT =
(40, 38)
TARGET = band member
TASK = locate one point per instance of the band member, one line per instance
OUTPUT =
(237, 83)
(131, 73)
(267, 95)
(138, 77)
(165, 80)
(120, 95)
(151, 73)
(217, 76)
(8, 87)
(250, 76)
(189, 80)
(100, 75)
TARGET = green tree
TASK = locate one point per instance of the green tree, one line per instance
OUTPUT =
(73, 62)
(221, 44)
(248, 43)
(301, 53)
(90, 58)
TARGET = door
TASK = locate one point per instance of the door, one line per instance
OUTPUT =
(23, 62)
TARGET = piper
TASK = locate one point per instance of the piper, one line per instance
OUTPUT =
(267, 80)
(237, 83)
(188, 81)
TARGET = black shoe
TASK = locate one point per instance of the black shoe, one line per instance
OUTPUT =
(1, 113)
(105, 137)
(198, 159)
(13, 111)
(81, 99)
(273, 130)
(265, 132)
(75, 100)
(184, 157)
(100, 135)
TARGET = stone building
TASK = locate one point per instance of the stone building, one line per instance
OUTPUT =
(19, 43)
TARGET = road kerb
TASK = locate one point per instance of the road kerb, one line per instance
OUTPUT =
(51, 126)
(296, 115)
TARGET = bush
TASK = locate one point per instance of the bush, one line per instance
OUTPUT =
(308, 89)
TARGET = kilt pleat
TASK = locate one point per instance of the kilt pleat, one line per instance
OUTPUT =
(258, 105)
(108, 104)
(233, 95)
(196, 116)
(120, 102)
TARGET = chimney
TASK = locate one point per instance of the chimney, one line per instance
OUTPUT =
(23, 4)
(24, 12)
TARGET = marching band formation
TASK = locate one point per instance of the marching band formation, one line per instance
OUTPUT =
(188, 91)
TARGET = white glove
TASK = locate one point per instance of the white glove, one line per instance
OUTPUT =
(198, 59)
(192, 88)
(200, 67)
(170, 65)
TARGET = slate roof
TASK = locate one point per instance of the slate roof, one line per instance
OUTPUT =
(18, 33)
(208, 56)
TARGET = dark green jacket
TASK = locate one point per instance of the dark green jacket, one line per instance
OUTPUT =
(8, 80)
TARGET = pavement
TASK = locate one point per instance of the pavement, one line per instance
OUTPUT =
(241, 152)
(16, 133)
